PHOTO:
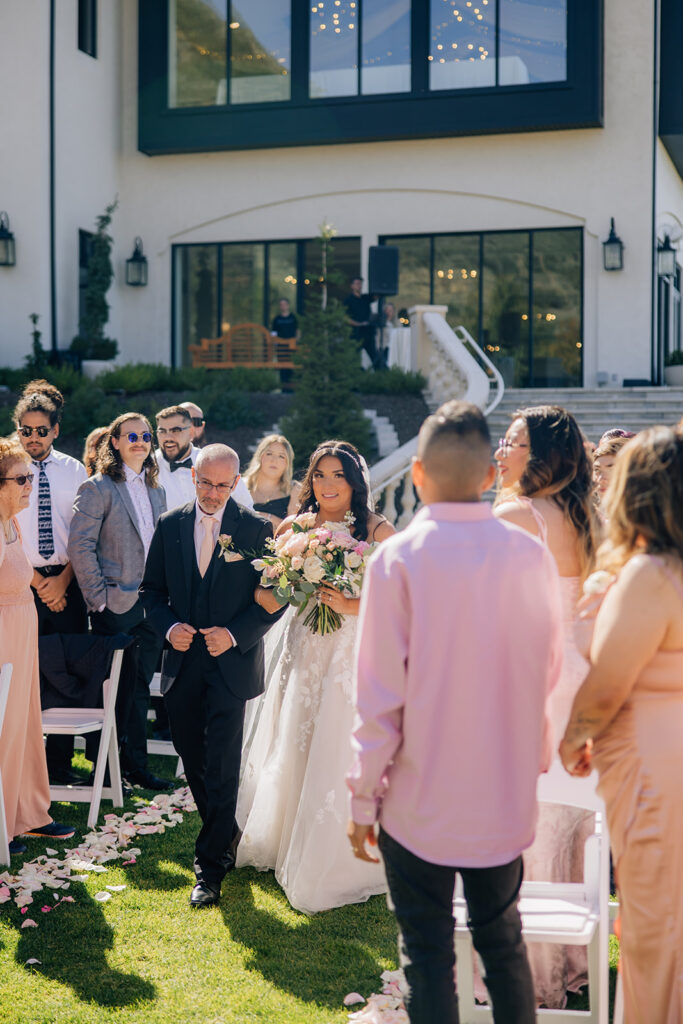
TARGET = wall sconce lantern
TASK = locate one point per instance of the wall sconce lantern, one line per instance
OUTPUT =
(136, 266)
(7, 250)
(666, 258)
(613, 250)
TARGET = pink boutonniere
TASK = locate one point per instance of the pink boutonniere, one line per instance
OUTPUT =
(226, 550)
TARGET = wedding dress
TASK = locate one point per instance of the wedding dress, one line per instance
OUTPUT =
(293, 803)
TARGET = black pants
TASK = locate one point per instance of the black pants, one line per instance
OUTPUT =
(73, 619)
(139, 665)
(422, 897)
(206, 725)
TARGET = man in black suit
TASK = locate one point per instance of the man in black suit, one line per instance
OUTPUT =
(198, 592)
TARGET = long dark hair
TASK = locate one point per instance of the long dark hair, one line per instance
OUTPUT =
(352, 468)
(109, 461)
(559, 468)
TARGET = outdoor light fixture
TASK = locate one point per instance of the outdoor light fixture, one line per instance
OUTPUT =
(666, 258)
(136, 266)
(7, 251)
(613, 250)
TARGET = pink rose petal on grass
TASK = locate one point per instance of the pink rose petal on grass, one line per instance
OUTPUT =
(45, 910)
(352, 998)
(67, 899)
(5, 894)
(131, 861)
(28, 923)
(24, 910)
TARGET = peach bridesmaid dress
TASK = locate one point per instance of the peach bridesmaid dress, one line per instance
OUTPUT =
(22, 752)
(639, 759)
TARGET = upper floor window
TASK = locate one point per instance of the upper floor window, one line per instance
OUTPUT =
(223, 52)
(87, 27)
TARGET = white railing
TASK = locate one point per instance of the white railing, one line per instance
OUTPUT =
(451, 360)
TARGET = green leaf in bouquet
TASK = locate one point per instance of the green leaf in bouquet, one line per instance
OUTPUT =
(283, 581)
(282, 596)
(307, 587)
(296, 527)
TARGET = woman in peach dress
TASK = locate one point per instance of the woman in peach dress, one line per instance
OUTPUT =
(22, 752)
(627, 718)
(546, 484)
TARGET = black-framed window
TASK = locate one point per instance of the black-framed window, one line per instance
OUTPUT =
(87, 27)
(224, 74)
(518, 293)
(217, 285)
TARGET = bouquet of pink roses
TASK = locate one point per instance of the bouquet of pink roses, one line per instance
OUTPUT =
(306, 557)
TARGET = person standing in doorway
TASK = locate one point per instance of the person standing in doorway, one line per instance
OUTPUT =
(358, 315)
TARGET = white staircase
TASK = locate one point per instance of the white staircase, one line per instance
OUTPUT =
(596, 409)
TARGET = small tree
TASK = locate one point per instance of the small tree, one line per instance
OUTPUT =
(37, 360)
(327, 367)
(91, 343)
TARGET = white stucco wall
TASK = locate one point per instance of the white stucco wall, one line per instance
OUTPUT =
(542, 179)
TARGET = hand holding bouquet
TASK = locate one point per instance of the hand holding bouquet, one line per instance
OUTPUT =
(305, 557)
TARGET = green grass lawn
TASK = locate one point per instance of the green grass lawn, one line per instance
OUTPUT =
(146, 957)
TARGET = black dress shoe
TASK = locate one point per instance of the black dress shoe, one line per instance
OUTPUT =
(126, 789)
(204, 895)
(147, 780)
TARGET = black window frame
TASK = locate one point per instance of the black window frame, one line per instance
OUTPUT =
(390, 237)
(299, 310)
(576, 102)
(87, 27)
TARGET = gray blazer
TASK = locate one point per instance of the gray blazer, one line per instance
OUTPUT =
(105, 547)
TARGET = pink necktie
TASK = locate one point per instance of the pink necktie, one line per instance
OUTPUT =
(207, 546)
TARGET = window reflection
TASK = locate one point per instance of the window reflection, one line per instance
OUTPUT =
(260, 63)
(456, 279)
(282, 276)
(414, 279)
(334, 48)
(242, 286)
(198, 52)
(196, 274)
(462, 44)
(343, 264)
(533, 41)
(505, 284)
(385, 57)
(557, 309)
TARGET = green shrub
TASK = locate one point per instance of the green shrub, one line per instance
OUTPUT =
(135, 377)
(227, 410)
(88, 407)
(394, 381)
(674, 358)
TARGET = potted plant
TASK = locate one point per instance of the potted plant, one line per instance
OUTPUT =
(95, 350)
(673, 368)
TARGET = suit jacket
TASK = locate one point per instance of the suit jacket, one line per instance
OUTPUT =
(166, 593)
(105, 547)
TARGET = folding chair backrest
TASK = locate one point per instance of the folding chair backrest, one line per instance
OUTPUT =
(110, 689)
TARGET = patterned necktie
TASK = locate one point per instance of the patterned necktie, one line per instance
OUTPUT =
(46, 543)
(207, 546)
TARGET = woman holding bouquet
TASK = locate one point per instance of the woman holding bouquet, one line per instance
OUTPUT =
(292, 804)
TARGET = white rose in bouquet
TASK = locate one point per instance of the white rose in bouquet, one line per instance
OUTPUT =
(313, 570)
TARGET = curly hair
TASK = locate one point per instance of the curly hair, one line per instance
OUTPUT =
(109, 461)
(93, 443)
(254, 466)
(10, 451)
(350, 460)
(40, 396)
(559, 468)
(644, 499)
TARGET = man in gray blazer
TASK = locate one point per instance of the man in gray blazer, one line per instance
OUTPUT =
(115, 513)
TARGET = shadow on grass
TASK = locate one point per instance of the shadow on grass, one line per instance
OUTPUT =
(317, 959)
(72, 947)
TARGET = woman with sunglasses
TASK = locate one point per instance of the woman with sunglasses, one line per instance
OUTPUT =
(546, 484)
(115, 513)
(22, 753)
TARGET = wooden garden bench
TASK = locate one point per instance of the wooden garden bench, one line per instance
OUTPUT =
(244, 345)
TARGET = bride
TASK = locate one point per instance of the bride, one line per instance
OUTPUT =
(292, 804)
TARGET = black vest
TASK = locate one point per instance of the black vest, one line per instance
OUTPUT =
(199, 595)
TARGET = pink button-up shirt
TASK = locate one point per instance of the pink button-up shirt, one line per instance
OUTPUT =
(459, 644)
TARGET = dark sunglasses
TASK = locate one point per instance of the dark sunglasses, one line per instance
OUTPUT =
(133, 437)
(40, 431)
(197, 421)
(21, 480)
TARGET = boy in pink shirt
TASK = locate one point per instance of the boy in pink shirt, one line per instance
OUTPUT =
(459, 644)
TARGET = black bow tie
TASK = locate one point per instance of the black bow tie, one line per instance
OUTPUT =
(185, 464)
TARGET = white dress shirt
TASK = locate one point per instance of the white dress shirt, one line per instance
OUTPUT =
(179, 485)
(65, 475)
(137, 488)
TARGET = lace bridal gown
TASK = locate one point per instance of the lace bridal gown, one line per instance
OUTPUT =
(293, 802)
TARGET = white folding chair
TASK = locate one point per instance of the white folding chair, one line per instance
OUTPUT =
(162, 746)
(5, 679)
(573, 914)
(79, 722)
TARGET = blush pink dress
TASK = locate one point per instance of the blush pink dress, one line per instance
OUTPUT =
(22, 753)
(639, 759)
(556, 854)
